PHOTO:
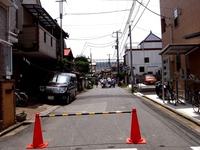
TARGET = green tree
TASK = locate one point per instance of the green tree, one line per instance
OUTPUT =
(81, 64)
(62, 64)
(121, 75)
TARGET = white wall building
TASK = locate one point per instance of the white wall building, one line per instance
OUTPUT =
(145, 58)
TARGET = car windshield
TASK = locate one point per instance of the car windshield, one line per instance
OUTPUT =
(150, 77)
(60, 79)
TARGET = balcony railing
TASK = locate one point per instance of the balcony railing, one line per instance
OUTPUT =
(35, 38)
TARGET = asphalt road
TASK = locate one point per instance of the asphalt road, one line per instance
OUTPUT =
(107, 131)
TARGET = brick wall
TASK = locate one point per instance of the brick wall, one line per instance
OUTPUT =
(188, 20)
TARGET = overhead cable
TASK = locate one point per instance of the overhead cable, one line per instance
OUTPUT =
(128, 21)
(94, 13)
(97, 13)
(140, 15)
(125, 31)
(136, 23)
(97, 45)
(152, 10)
(90, 38)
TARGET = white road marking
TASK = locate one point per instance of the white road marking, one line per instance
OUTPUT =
(195, 147)
(119, 149)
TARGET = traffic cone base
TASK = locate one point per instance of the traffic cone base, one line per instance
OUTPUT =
(37, 135)
(140, 141)
(135, 137)
(43, 145)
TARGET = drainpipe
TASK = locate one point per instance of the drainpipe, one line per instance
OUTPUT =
(163, 98)
(171, 36)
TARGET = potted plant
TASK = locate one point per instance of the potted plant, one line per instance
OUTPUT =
(21, 116)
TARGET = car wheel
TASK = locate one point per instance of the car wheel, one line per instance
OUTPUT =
(74, 98)
(67, 99)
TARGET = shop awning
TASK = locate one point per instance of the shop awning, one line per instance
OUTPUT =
(174, 49)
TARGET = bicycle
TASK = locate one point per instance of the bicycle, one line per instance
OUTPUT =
(196, 101)
(21, 98)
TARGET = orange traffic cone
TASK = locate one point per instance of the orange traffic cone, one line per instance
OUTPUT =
(135, 131)
(37, 135)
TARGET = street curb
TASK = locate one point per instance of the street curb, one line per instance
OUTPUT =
(29, 121)
(32, 119)
(13, 127)
(197, 122)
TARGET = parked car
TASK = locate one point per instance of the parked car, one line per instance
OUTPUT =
(59, 86)
(149, 79)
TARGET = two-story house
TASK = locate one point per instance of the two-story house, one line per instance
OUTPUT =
(38, 47)
(180, 43)
(145, 57)
(8, 36)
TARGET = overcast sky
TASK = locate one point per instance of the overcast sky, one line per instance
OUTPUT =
(92, 24)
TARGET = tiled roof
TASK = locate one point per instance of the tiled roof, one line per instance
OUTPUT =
(67, 51)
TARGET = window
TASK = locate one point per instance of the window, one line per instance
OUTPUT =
(45, 37)
(51, 41)
(6, 59)
(163, 25)
(146, 60)
(175, 13)
(178, 62)
(8, 51)
(141, 69)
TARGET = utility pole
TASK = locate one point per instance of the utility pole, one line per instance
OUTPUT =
(117, 41)
(91, 62)
(131, 60)
(61, 34)
(117, 48)
(109, 61)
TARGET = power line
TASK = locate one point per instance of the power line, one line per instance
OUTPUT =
(152, 10)
(96, 45)
(95, 13)
(90, 38)
(128, 21)
(140, 15)
(82, 25)
(136, 23)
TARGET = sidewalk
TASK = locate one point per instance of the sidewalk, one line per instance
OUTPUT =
(185, 110)
(31, 111)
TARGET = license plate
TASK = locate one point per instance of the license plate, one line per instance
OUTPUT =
(50, 97)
